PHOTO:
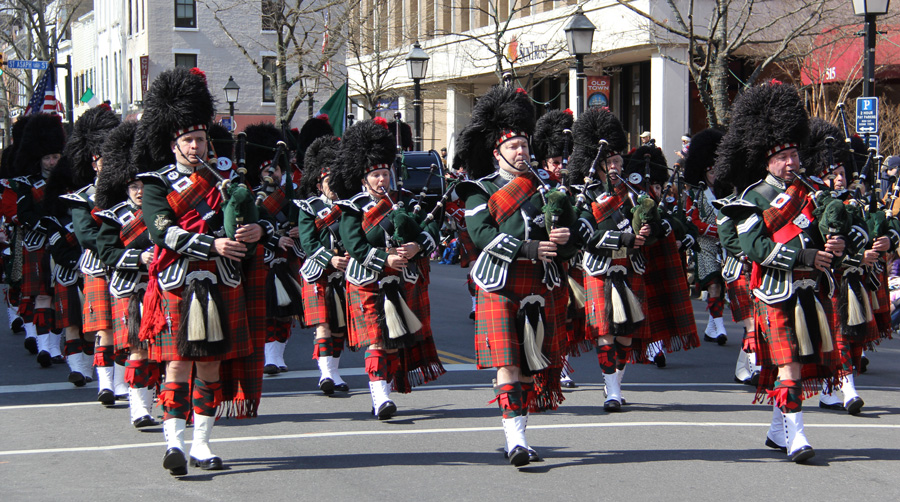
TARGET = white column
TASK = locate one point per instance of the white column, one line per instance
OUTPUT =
(459, 113)
(669, 96)
(573, 93)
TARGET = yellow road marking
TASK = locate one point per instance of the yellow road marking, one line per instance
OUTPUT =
(451, 356)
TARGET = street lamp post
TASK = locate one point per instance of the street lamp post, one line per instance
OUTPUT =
(232, 90)
(871, 9)
(311, 85)
(416, 65)
(580, 37)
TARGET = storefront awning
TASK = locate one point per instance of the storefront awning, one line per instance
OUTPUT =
(839, 56)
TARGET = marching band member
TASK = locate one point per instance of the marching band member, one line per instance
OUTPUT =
(386, 294)
(516, 321)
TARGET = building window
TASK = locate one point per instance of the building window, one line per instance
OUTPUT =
(130, 81)
(185, 14)
(268, 95)
(269, 13)
(185, 60)
(130, 18)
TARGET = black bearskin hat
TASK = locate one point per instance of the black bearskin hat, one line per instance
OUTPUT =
(592, 126)
(701, 155)
(262, 139)
(9, 153)
(637, 163)
(765, 120)
(312, 130)
(321, 157)
(86, 141)
(501, 114)
(221, 141)
(406, 139)
(177, 103)
(60, 182)
(118, 168)
(549, 139)
(815, 157)
(366, 144)
(860, 153)
(43, 135)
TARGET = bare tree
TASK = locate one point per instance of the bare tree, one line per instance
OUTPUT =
(495, 29)
(370, 57)
(33, 29)
(294, 30)
(718, 31)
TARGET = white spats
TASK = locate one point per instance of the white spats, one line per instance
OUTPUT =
(613, 387)
(710, 330)
(848, 388)
(120, 387)
(140, 402)
(325, 368)
(514, 428)
(381, 393)
(333, 364)
(173, 429)
(203, 426)
(742, 368)
(105, 378)
(798, 447)
(719, 323)
(776, 428)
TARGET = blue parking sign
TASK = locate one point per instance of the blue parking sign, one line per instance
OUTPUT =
(867, 115)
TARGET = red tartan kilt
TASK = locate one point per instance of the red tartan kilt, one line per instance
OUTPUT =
(362, 301)
(777, 344)
(67, 304)
(740, 298)
(419, 301)
(120, 323)
(597, 322)
(315, 310)
(234, 315)
(36, 273)
(883, 312)
(97, 309)
(497, 342)
(576, 329)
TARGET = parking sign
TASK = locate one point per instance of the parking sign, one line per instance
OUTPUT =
(867, 115)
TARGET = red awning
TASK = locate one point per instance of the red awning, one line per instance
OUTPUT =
(840, 56)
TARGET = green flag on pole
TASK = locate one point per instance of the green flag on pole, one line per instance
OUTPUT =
(336, 109)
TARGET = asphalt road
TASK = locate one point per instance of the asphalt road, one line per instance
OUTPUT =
(688, 432)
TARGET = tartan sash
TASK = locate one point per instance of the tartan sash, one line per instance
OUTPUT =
(329, 219)
(373, 216)
(777, 217)
(507, 201)
(274, 202)
(133, 229)
(606, 206)
(96, 218)
(37, 192)
(789, 229)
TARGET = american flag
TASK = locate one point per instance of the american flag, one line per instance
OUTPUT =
(44, 98)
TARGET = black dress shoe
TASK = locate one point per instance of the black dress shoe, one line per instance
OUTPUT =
(18, 325)
(77, 379)
(533, 456)
(106, 397)
(386, 410)
(803, 454)
(612, 405)
(271, 369)
(58, 359)
(472, 315)
(568, 384)
(210, 464)
(863, 364)
(44, 359)
(343, 387)
(707, 338)
(175, 462)
(144, 421)
(854, 406)
(660, 359)
(326, 385)
(774, 445)
(754, 379)
(722, 339)
(282, 369)
(518, 456)
(31, 345)
(832, 406)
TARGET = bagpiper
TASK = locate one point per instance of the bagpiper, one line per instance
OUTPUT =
(84, 150)
(791, 256)
(125, 248)
(324, 291)
(203, 309)
(387, 303)
(523, 243)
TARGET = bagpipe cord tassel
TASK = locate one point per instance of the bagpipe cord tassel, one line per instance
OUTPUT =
(577, 297)
(619, 315)
(802, 330)
(827, 342)
(532, 308)
(340, 319)
(399, 318)
(855, 310)
(213, 321)
(281, 294)
(196, 324)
